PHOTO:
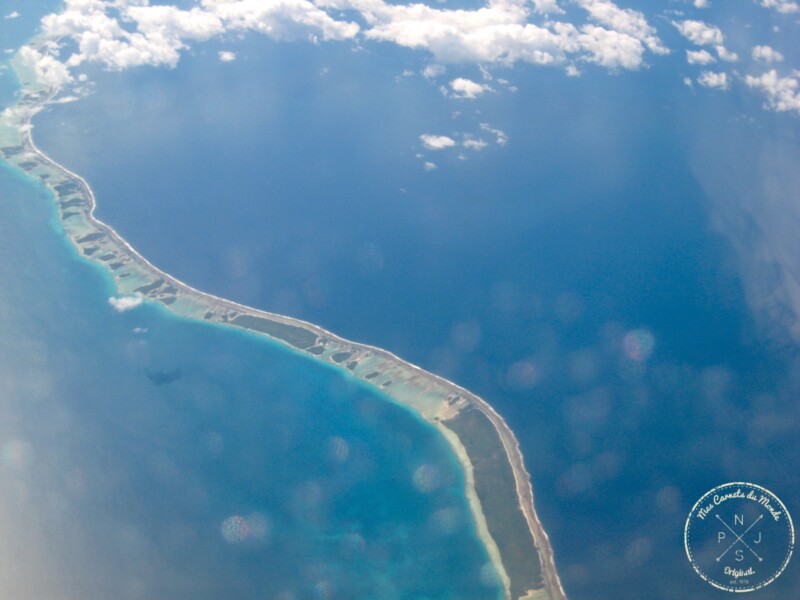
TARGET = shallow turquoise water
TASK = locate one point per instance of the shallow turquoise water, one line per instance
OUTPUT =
(145, 456)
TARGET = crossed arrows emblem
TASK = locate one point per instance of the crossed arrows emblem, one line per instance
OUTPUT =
(739, 538)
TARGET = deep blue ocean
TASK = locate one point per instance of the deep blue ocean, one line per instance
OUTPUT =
(573, 278)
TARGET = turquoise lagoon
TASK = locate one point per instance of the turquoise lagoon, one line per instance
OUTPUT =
(146, 456)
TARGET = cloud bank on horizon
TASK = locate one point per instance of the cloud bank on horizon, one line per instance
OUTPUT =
(120, 34)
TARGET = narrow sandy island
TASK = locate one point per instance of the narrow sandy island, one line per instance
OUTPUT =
(498, 487)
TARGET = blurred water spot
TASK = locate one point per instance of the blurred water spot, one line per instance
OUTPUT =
(17, 454)
(323, 590)
(717, 383)
(309, 494)
(578, 573)
(584, 365)
(590, 409)
(165, 468)
(638, 344)
(235, 529)
(338, 449)
(444, 361)
(38, 386)
(238, 261)
(638, 552)
(426, 478)
(308, 503)
(505, 297)
(138, 352)
(568, 307)
(581, 443)
(466, 336)
(259, 526)
(214, 443)
(313, 292)
(607, 464)
(444, 521)
(351, 544)
(370, 257)
(668, 499)
(632, 371)
(522, 375)
(768, 421)
(368, 411)
(576, 480)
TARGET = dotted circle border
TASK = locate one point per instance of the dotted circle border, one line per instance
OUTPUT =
(705, 577)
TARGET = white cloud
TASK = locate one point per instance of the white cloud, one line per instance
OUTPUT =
(545, 7)
(468, 89)
(782, 92)
(66, 99)
(283, 19)
(436, 142)
(699, 33)
(625, 21)
(120, 34)
(168, 22)
(101, 38)
(433, 71)
(474, 144)
(767, 54)
(227, 56)
(611, 49)
(12, 15)
(500, 136)
(125, 303)
(699, 57)
(13, 116)
(495, 33)
(501, 32)
(701, 4)
(726, 55)
(714, 80)
(782, 6)
(140, 34)
(429, 166)
(49, 70)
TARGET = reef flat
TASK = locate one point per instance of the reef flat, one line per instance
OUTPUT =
(498, 487)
